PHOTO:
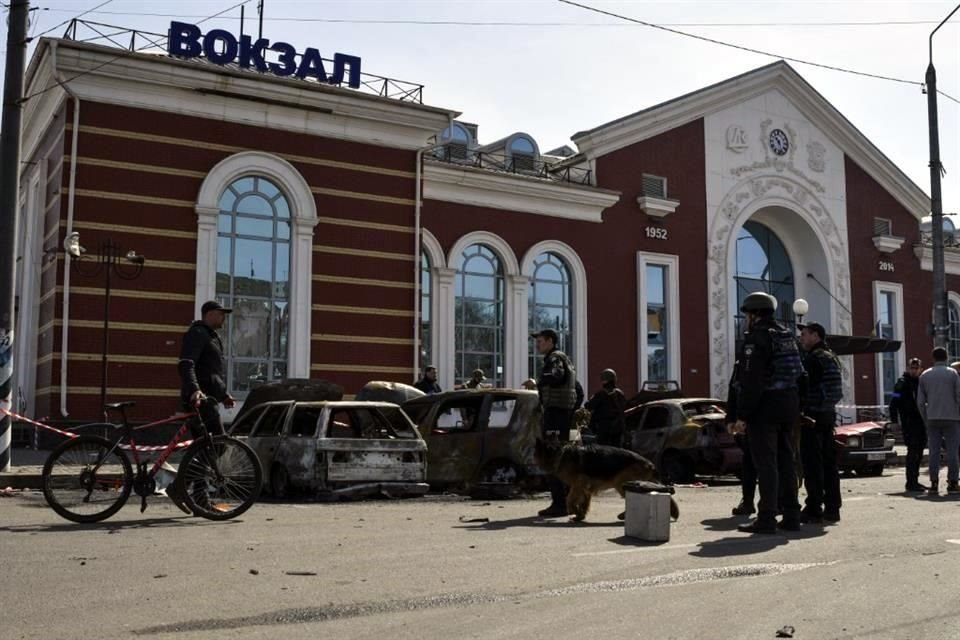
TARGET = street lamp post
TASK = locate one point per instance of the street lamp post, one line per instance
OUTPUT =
(800, 309)
(110, 262)
(940, 326)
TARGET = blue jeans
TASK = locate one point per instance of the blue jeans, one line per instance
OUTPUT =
(939, 431)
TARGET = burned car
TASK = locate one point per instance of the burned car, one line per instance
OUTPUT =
(683, 437)
(479, 439)
(335, 449)
(864, 448)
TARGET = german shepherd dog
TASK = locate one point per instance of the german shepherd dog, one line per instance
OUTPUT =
(590, 469)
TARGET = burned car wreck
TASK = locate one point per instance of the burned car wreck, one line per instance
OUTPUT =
(335, 449)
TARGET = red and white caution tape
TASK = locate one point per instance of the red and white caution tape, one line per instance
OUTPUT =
(71, 434)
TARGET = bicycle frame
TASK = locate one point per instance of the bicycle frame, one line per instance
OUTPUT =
(167, 449)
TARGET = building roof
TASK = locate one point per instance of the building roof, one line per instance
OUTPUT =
(779, 75)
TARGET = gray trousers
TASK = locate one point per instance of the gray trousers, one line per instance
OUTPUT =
(939, 431)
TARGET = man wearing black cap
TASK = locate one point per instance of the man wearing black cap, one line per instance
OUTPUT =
(818, 449)
(558, 397)
(202, 376)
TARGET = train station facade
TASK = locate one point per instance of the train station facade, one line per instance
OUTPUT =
(360, 233)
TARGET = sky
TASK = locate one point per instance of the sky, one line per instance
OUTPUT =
(551, 69)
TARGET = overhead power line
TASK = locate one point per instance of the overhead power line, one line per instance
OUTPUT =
(768, 54)
(486, 23)
(79, 15)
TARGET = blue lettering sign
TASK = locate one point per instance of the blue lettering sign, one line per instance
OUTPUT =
(221, 47)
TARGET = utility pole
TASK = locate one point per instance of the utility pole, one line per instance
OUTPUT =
(260, 10)
(9, 201)
(940, 324)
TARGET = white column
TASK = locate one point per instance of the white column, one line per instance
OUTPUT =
(518, 321)
(206, 256)
(301, 297)
(443, 326)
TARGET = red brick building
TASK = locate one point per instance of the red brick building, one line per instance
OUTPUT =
(301, 203)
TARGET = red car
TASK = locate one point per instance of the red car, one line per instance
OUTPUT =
(864, 447)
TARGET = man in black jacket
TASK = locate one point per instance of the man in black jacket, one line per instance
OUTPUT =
(903, 409)
(428, 383)
(606, 410)
(203, 382)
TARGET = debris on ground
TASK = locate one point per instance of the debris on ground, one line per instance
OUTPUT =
(159, 575)
(786, 632)
(8, 492)
(467, 520)
(301, 573)
(254, 572)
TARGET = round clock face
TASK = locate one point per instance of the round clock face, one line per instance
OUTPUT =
(779, 143)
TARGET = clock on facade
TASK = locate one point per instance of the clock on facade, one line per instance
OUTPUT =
(779, 143)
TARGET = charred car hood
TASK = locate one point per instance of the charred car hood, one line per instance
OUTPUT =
(858, 428)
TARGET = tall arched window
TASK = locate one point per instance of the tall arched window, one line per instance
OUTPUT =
(479, 327)
(426, 319)
(953, 346)
(550, 305)
(523, 154)
(763, 265)
(253, 275)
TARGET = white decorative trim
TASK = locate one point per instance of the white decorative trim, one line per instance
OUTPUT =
(32, 257)
(672, 262)
(578, 275)
(887, 244)
(744, 200)
(434, 252)
(780, 76)
(517, 315)
(303, 214)
(433, 249)
(514, 192)
(951, 258)
(444, 325)
(898, 331)
(657, 207)
(499, 246)
(205, 90)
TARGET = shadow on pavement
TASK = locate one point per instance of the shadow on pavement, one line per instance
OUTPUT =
(749, 544)
(627, 541)
(724, 524)
(111, 526)
(534, 521)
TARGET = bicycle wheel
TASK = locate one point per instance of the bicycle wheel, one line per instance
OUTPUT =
(87, 479)
(219, 478)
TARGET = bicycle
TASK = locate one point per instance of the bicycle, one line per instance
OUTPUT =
(89, 478)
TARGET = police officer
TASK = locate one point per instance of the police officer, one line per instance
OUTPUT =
(203, 381)
(748, 475)
(558, 397)
(767, 409)
(818, 449)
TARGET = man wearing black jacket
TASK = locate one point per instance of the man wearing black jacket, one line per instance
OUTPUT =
(203, 382)
(606, 410)
(903, 409)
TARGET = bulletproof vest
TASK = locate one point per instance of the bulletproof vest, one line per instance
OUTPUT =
(564, 396)
(785, 367)
(830, 390)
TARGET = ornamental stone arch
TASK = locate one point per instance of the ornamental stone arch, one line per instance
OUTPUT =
(775, 201)
(303, 218)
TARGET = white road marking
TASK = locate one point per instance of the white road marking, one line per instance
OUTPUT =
(858, 498)
(635, 549)
(953, 541)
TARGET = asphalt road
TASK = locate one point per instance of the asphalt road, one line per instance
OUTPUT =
(450, 568)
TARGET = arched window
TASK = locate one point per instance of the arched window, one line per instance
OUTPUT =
(426, 352)
(253, 276)
(522, 145)
(953, 346)
(764, 266)
(523, 153)
(550, 305)
(456, 143)
(479, 334)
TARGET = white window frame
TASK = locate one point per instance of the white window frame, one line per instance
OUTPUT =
(303, 218)
(672, 262)
(896, 289)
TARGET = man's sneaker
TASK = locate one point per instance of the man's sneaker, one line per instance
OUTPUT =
(759, 527)
(810, 517)
(916, 488)
(553, 511)
(934, 490)
(744, 509)
(952, 487)
(831, 515)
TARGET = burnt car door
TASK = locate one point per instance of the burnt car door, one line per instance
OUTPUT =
(455, 438)
(295, 461)
(267, 434)
(655, 423)
(371, 444)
